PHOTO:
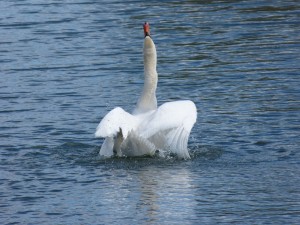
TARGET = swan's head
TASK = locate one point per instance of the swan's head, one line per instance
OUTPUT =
(149, 46)
(149, 51)
(146, 29)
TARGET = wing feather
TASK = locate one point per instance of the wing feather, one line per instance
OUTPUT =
(107, 147)
(177, 140)
(169, 116)
(172, 123)
(115, 120)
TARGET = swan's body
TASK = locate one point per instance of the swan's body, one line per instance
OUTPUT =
(148, 128)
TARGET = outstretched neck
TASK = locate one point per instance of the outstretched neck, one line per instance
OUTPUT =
(148, 100)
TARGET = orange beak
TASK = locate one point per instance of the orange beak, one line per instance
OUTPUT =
(146, 29)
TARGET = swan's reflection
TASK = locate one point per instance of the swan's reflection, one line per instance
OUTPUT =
(165, 194)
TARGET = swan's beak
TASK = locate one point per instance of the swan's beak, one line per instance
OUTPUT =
(146, 29)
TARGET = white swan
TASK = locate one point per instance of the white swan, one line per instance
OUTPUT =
(148, 128)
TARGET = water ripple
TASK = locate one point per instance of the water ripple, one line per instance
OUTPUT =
(64, 64)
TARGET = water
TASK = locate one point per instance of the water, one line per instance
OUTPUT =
(65, 64)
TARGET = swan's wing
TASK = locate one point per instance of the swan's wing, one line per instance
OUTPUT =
(177, 140)
(115, 120)
(169, 116)
(171, 123)
(107, 147)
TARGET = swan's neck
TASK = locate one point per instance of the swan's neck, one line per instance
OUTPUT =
(148, 100)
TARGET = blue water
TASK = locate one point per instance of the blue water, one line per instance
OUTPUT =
(65, 64)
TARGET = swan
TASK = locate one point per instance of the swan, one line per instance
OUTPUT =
(148, 129)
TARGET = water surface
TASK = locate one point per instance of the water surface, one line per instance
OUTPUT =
(65, 64)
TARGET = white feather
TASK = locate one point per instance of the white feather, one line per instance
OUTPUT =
(168, 116)
(135, 145)
(107, 147)
(115, 120)
(166, 128)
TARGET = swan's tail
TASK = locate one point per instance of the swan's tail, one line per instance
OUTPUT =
(135, 145)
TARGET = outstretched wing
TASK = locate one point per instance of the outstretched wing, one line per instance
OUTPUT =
(115, 120)
(170, 126)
